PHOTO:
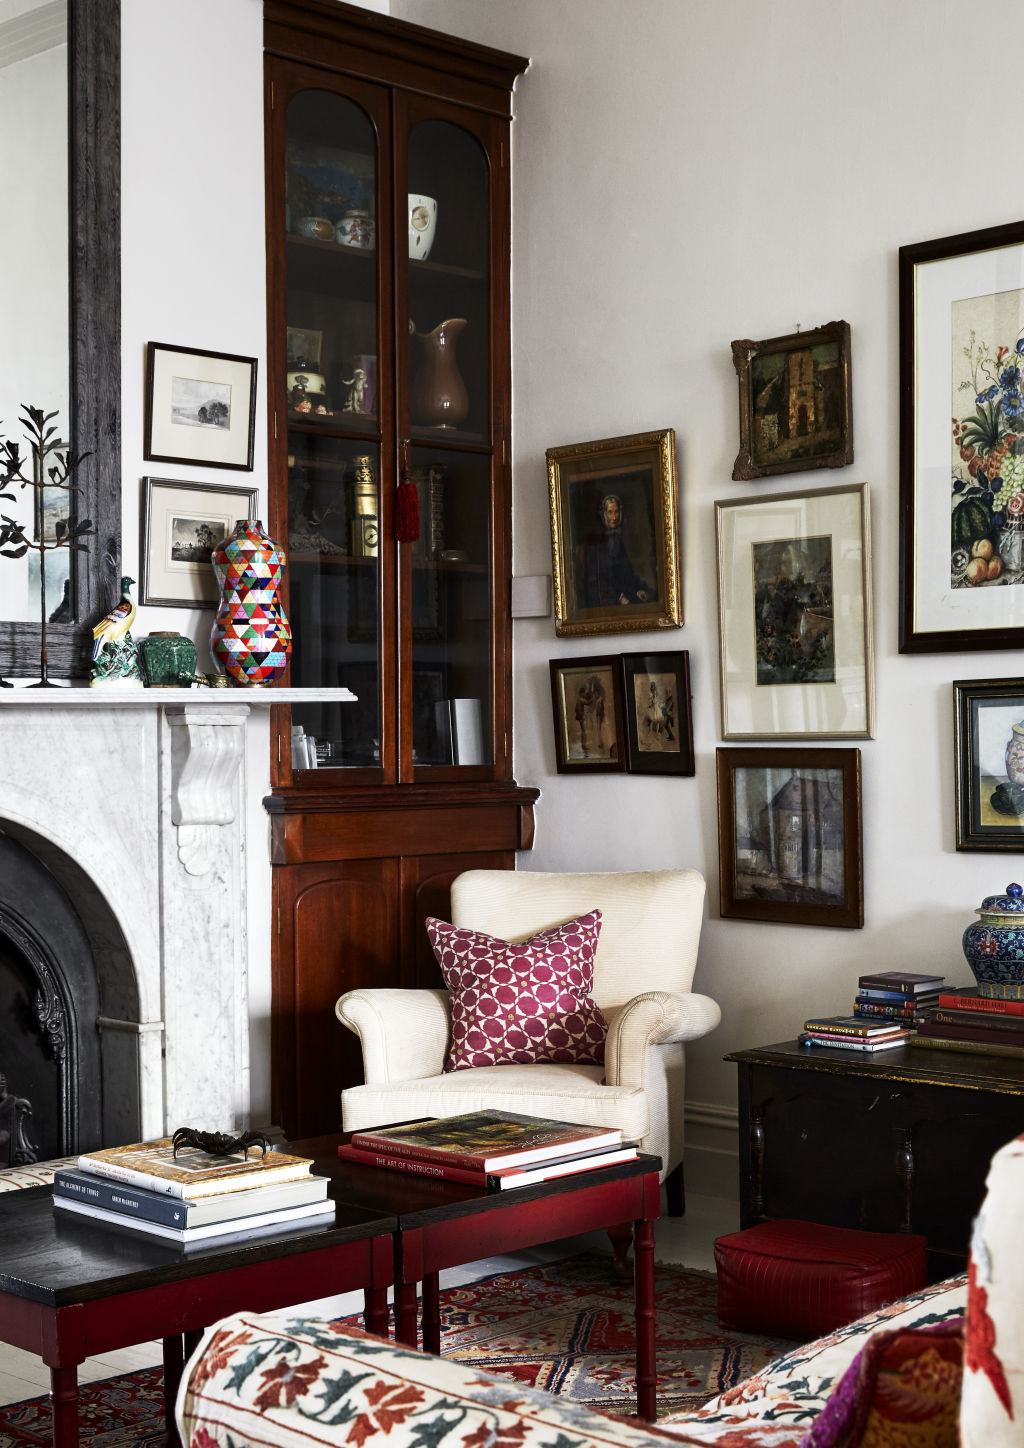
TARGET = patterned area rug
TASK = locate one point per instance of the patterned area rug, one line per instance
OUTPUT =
(566, 1327)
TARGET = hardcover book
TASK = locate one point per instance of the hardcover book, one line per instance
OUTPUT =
(968, 998)
(191, 1173)
(982, 1020)
(484, 1140)
(897, 997)
(906, 981)
(982, 1048)
(854, 1043)
(973, 1031)
(501, 1181)
(849, 1026)
(903, 1013)
(311, 1214)
(150, 1206)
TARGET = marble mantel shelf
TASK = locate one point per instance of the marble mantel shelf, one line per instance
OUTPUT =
(80, 696)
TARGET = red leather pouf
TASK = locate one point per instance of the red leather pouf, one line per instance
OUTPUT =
(802, 1280)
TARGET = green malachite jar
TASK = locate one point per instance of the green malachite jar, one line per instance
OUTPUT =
(165, 657)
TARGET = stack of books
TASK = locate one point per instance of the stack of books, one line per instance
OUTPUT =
(497, 1150)
(193, 1199)
(964, 1020)
(886, 1012)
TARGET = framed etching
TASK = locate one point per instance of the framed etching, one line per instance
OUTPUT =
(962, 441)
(796, 407)
(794, 604)
(789, 836)
(182, 523)
(657, 713)
(200, 407)
(616, 559)
(988, 723)
(586, 696)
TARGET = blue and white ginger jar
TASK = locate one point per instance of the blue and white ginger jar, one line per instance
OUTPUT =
(994, 945)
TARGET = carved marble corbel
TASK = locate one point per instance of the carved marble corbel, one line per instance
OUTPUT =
(206, 753)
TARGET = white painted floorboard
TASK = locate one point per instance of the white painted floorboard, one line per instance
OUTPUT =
(685, 1241)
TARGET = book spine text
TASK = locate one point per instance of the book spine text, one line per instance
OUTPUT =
(127, 1200)
(440, 1171)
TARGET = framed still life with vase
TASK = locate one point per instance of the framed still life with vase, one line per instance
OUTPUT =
(988, 724)
(789, 836)
(795, 615)
(962, 441)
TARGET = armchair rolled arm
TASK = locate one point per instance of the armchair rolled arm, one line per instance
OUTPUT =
(403, 1033)
(652, 1019)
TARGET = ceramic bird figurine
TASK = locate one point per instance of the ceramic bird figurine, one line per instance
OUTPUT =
(115, 659)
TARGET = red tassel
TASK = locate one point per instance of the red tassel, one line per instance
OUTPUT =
(407, 513)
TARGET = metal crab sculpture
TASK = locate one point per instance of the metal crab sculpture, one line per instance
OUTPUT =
(218, 1143)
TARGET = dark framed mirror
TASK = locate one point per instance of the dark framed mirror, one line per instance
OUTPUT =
(94, 347)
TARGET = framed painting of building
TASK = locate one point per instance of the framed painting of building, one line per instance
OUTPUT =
(789, 836)
(796, 407)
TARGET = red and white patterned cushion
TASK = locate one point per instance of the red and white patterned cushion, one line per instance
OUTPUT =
(521, 1004)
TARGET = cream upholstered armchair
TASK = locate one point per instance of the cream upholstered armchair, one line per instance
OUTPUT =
(646, 955)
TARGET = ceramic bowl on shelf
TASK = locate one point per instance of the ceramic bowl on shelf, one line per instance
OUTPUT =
(317, 227)
(994, 944)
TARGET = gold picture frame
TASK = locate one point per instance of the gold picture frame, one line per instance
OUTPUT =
(616, 559)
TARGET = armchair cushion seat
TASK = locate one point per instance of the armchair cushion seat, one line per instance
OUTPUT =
(561, 1093)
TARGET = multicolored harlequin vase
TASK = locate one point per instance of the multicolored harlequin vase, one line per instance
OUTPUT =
(251, 637)
(994, 945)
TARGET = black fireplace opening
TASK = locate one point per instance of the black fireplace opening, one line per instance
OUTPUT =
(66, 987)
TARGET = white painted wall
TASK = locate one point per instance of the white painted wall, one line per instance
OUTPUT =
(687, 172)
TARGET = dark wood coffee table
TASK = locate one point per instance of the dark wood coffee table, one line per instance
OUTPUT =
(71, 1288)
(442, 1224)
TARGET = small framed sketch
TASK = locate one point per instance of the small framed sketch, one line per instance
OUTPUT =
(200, 407)
(182, 523)
(658, 717)
(789, 836)
(988, 724)
(615, 550)
(796, 410)
(586, 696)
(795, 615)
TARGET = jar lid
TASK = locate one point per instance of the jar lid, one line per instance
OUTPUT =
(1012, 903)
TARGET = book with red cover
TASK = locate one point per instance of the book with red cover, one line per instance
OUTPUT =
(485, 1141)
(982, 1019)
(907, 982)
(494, 1181)
(973, 1031)
(967, 998)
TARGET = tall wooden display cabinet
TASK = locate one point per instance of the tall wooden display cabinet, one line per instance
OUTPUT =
(389, 386)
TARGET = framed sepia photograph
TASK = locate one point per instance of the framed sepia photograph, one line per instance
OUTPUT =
(794, 601)
(182, 523)
(657, 713)
(988, 724)
(962, 441)
(586, 696)
(616, 559)
(796, 408)
(200, 407)
(789, 836)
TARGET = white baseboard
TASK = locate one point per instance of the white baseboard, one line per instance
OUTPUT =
(712, 1150)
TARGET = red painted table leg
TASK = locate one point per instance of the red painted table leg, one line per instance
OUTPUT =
(64, 1405)
(646, 1365)
(405, 1313)
(432, 1313)
(375, 1310)
(174, 1361)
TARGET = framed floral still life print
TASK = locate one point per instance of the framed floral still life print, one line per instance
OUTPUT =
(962, 441)
(795, 615)
(587, 701)
(988, 722)
(796, 408)
(789, 836)
(615, 550)
(657, 713)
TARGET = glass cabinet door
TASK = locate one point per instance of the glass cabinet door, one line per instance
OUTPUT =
(333, 439)
(446, 385)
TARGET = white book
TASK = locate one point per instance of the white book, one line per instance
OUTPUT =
(239, 1227)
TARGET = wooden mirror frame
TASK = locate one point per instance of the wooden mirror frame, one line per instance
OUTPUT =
(94, 341)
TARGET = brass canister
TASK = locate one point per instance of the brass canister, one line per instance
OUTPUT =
(363, 530)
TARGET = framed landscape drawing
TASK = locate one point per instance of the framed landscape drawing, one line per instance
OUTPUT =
(657, 712)
(962, 441)
(988, 724)
(789, 836)
(796, 408)
(182, 523)
(586, 696)
(616, 560)
(200, 407)
(795, 615)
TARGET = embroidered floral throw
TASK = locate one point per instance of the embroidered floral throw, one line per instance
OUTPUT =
(522, 1004)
